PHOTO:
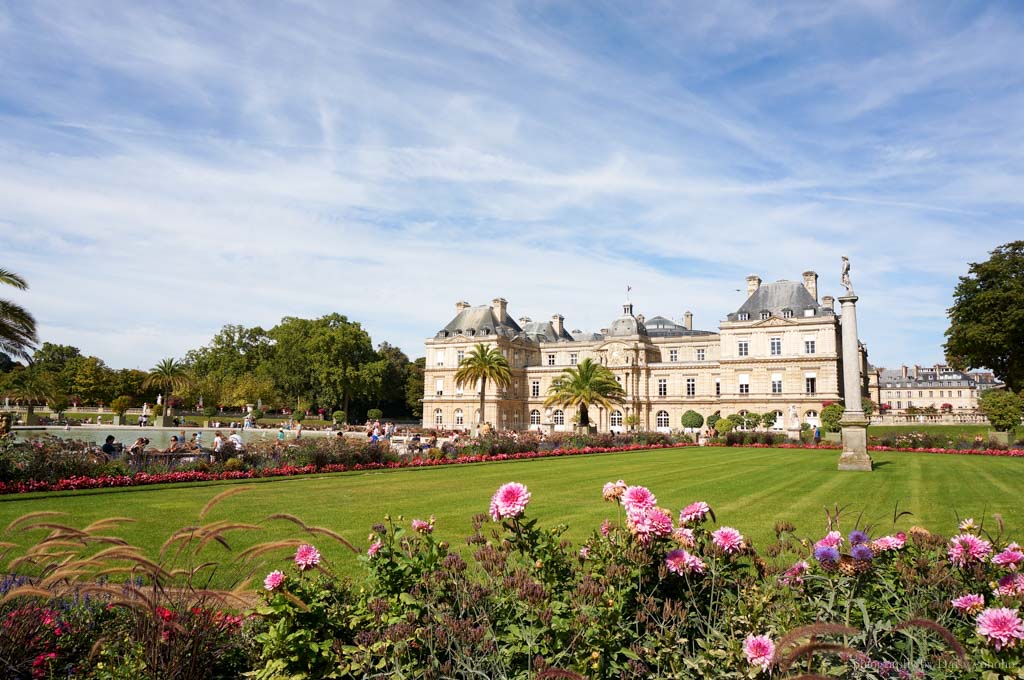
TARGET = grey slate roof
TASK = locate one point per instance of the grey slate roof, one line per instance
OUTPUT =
(481, 320)
(777, 297)
(544, 331)
(660, 327)
(626, 325)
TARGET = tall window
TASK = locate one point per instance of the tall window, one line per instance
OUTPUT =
(458, 416)
(534, 388)
(718, 388)
(809, 346)
(558, 417)
(777, 425)
(787, 313)
(765, 315)
(439, 358)
(515, 419)
(534, 417)
(776, 384)
(438, 417)
(459, 356)
(811, 385)
(743, 348)
(573, 358)
(551, 360)
(518, 358)
(743, 316)
(439, 386)
(744, 384)
(662, 387)
(776, 346)
(673, 355)
(661, 420)
(691, 387)
(700, 354)
(616, 419)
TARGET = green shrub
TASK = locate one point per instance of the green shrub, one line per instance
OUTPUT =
(210, 411)
(830, 417)
(339, 417)
(1003, 409)
(692, 420)
(121, 405)
(374, 414)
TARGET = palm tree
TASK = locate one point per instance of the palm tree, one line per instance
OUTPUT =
(483, 363)
(17, 326)
(169, 375)
(583, 385)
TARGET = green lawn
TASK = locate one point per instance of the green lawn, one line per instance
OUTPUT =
(748, 488)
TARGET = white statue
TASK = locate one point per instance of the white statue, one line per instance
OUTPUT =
(160, 397)
(794, 417)
(845, 278)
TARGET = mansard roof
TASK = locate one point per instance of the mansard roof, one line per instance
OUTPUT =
(481, 320)
(660, 327)
(544, 331)
(776, 297)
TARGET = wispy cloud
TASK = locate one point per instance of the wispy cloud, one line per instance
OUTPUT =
(167, 170)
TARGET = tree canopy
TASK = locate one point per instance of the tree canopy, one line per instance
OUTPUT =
(986, 321)
(17, 326)
(584, 385)
(482, 364)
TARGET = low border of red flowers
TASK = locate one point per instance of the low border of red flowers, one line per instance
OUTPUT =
(147, 479)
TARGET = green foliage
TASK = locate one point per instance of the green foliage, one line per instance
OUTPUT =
(867, 406)
(725, 425)
(830, 417)
(1003, 408)
(484, 364)
(17, 325)
(767, 419)
(584, 385)
(415, 386)
(121, 404)
(58, 404)
(692, 420)
(210, 411)
(169, 375)
(256, 414)
(374, 414)
(339, 417)
(986, 321)
(713, 419)
(298, 416)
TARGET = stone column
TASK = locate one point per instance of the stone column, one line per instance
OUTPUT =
(854, 423)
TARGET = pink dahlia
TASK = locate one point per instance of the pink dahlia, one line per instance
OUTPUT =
(606, 527)
(638, 498)
(423, 526)
(681, 562)
(307, 557)
(684, 537)
(794, 575)
(509, 501)
(759, 650)
(967, 548)
(1011, 585)
(970, 603)
(887, 543)
(833, 539)
(1002, 627)
(649, 524)
(273, 580)
(374, 548)
(612, 491)
(694, 513)
(1010, 558)
(727, 539)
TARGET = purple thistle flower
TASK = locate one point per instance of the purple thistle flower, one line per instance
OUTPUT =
(861, 552)
(858, 537)
(826, 553)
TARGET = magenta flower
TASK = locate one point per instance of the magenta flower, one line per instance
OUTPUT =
(638, 498)
(307, 557)
(684, 537)
(606, 528)
(727, 539)
(694, 513)
(509, 501)
(1002, 627)
(422, 526)
(681, 562)
(584, 552)
(967, 548)
(649, 524)
(887, 543)
(794, 575)
(1011, 585)
(759, 650)
(273, 580)
(374, 548)
(1010, 558)
(612, 491)
(833, 539)
(970, 603)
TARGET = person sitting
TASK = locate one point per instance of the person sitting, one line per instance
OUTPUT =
(175, 447)
(236, 439)
(109, 447)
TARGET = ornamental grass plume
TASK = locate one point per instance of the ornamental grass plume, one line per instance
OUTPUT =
(1000, 626)
(759, 651)
(306, 557)
(966, 549)
(509, 501)
(727, 539)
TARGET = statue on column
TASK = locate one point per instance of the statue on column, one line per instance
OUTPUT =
(794, 418)
(160, 397)
(845, 277)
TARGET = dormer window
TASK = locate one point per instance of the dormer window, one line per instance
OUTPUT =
(743, 316)
(766, 315)
(471, 332)
(485, 331)
(444, 334)
(809, 311)
(787, 313)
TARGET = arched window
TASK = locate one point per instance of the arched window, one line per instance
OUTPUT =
(616, 419)
(458, 416)
(742, 427)
(812, 418)
(558, 417)
(779, 421)
(438, 417)
(534, 417)
(661, 420)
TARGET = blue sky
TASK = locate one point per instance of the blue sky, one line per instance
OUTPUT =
(167, 168)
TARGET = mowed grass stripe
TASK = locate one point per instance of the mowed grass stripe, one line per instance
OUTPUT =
(748, 488)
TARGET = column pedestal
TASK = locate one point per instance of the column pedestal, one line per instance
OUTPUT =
(855, 446)
(854, 422)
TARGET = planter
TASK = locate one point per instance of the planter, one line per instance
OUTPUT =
(119, 420)
(999, 437)
(585, 429)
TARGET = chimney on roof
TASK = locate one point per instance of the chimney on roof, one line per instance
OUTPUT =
(903, 368)
(577, 331)
(460, 305)
(498, 306)
(523, 320)
(753, 283)
(828, 302)
(688, 320)
(558, 323)
(811, 284)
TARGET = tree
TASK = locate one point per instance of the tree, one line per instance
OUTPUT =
(724, 425)
(830, 417)
(1003, 408)
(867, 406)
(339, 417)
(414, 386)
(483, 364)
(986, 321)
(692, 420)
(768, 420)
(583, 385)
(713, 419)
(169, 375)
(374, 414)
(32, 386)
(121, 404)
(17, 326)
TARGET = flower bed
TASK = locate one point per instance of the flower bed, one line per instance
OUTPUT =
(146, 479)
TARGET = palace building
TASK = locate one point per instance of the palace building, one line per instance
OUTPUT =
(779, 351)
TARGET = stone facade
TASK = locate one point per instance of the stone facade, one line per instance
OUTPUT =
(931, 387)
(780, 350)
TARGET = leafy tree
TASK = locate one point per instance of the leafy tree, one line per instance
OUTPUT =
(714, 418)
(210, 411)
(32, 386)
(986, 321)
(483, 364)
(414, 386)
(53, 357)
(256, 414)
(1003, 408)
(339, 417)
(374, 414)
(121, 404)
(768, 420)
(830, 417)
(583, 385)
(724, 425)
(632, 420)
(91, 379)
(867, 406)
(692, 420)
(169, 375)
(58, 405)
(17, 326)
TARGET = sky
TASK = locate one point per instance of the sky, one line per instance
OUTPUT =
(167, 168)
